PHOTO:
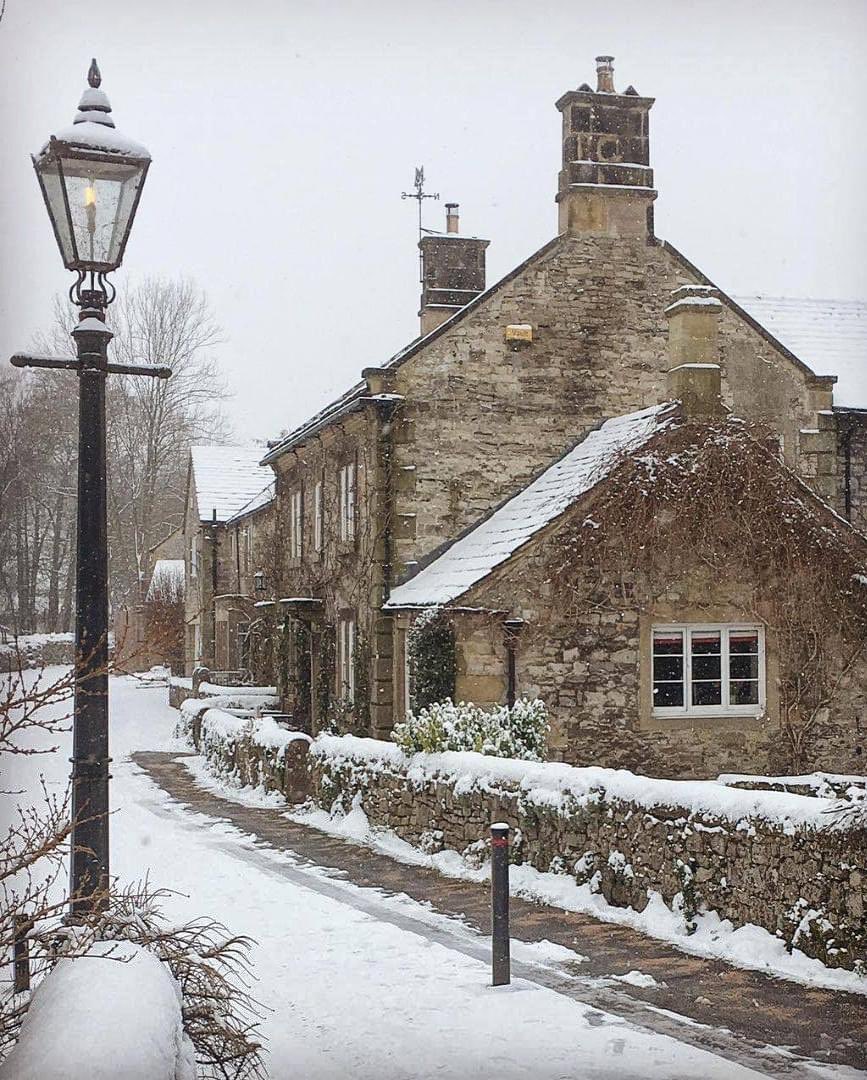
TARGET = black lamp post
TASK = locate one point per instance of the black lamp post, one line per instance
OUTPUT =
(91, 178)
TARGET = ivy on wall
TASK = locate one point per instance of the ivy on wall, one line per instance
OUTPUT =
(325, 660)
(431, 654)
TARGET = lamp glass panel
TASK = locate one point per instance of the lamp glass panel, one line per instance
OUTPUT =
(52, 187)
(101, 198)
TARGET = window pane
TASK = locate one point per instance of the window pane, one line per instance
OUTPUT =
(744, 641)
(667, 642)
(667, 695)
(668, 669)
(743, 666)
(744, 692)
(705, 641)
(706, 667)
(706, 693)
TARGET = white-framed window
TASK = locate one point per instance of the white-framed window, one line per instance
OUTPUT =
(318, 517)
(708, 670)
(296, 523)
(246, 547)
(346, 489)
(346, 657)
(194, 557)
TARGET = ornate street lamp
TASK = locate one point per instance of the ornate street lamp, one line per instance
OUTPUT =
(259, 582)
(91, 178)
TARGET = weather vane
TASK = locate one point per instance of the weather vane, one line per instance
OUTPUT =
(419, 195)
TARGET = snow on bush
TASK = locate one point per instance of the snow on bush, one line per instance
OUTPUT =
(520, 732)
(114, 1012)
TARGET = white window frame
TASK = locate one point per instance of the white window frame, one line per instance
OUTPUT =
(346, 657)
(247, 546)
(194, 557)
(347, 488)
(296, 524)
(318, 517)
(725, 708)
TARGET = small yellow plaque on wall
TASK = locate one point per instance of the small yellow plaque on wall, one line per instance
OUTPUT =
(519, 334)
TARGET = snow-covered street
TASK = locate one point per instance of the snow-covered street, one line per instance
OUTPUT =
(350, 987)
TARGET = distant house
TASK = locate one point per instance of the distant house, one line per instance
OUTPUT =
(228, 494)
(140, 640)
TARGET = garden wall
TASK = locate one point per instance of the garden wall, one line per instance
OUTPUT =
(775, 859)
(37, 650)
(248, 753)
(242, 697)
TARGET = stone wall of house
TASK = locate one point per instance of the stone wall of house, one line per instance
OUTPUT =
(347, 577)
(851, 428)
(587, 663)
(482, 415)
(737, 853)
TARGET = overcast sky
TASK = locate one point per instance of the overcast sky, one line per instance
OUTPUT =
(283, 133)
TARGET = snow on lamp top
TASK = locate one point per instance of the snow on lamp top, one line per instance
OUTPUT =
(91, 177)
(93, 127)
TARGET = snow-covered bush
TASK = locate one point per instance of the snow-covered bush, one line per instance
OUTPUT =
(519, 732)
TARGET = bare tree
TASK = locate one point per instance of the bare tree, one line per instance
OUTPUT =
(151, 425)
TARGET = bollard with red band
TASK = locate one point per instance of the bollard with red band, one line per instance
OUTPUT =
(500, 962)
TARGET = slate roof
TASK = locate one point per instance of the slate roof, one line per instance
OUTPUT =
(485, 546)
(227, 478)
(258, 502)
(830, 336)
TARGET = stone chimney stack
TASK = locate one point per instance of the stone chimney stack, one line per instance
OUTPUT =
(693, 350)
(453, 272)
(606, 183)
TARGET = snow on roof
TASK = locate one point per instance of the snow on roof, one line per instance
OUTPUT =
(474, 555)
(167, 580)
(227, 478)
(830, 336)
(265, 496)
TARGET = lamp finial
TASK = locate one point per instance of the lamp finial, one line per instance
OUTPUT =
(93, 76)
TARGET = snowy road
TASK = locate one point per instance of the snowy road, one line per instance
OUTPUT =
(350, 993)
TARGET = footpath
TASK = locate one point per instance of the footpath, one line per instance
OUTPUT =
(777, 1027)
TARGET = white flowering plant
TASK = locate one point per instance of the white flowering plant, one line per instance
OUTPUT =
(517, 732)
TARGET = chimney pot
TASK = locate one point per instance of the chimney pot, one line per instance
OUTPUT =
(452, 218)
(605, 75)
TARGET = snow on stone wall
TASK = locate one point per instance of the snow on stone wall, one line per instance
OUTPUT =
(769, 858)
(246, 752)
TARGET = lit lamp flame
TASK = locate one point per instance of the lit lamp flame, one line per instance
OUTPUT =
(90, 207)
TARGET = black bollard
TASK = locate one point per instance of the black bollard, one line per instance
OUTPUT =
(500, 964)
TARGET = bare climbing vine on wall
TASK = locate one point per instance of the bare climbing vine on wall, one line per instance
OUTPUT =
(711, 498)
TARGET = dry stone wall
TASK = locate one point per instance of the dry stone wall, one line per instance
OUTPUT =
(765, 858)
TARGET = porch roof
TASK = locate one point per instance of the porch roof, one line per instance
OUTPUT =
(475, 554)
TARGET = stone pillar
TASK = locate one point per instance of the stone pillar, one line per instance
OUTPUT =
(693, 350)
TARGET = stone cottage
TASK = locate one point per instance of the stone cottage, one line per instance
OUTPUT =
(681, 600)
(502, 381)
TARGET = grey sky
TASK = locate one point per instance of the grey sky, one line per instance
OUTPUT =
(283, 133)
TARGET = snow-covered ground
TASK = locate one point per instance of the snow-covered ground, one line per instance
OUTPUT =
(348, 992)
